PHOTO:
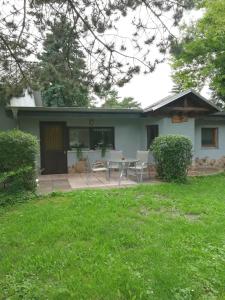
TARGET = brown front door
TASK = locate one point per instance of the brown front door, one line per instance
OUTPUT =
(53, 147)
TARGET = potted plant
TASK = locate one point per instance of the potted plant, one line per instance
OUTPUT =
(79, 153)
(103, 150)
(80, 166)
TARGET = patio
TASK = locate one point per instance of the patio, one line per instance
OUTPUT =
(67, 182)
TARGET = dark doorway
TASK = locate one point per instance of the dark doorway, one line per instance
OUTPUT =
(53, 138)
(152, 133)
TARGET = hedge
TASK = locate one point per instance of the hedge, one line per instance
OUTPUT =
(173, 156)
(18, 152)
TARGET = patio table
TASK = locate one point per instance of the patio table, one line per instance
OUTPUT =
(123, 165)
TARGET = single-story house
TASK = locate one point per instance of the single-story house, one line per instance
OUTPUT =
(61, 130)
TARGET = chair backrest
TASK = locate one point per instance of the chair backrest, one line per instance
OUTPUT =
(116, 155)
(142, 156)
(93, 165)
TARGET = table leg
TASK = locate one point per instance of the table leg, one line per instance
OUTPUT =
(109, 173)
(121, 175)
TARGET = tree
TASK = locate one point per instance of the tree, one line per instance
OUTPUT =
(199, 57)
(113, 58)
(129, 102)
(61, 72)
(111, 100)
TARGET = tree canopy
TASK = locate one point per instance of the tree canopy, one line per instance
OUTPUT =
(112, 100)
(61, 73)
(113, 52)
(199, 57)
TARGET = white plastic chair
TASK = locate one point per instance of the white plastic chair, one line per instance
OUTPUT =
(114, 156)
(141, 166)
(98, 166)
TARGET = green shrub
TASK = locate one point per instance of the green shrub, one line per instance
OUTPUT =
(173, 155)
(18, 152)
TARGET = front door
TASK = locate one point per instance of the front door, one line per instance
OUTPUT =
(53, 147)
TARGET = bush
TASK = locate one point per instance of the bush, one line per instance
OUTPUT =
(173, 155)
(18, 152)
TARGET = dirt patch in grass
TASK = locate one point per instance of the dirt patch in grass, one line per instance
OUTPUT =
(169, 212)
(139, 196)
(173, 212)
(192, 217)
(144, 211)
(160, 197)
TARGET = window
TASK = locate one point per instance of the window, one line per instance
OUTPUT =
(91, 137)
(101, 136)
(152, 133)
(79, 137)
(209, 137)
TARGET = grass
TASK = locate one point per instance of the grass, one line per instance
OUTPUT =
(162, 241)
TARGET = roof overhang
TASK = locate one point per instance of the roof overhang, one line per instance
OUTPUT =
(104, 112)
(170, 99)
(73, 111)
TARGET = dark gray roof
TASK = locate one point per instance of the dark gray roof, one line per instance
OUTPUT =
(172, 98)
(75, 109)
(153, 107)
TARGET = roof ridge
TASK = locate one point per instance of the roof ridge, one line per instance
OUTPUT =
(171, 98)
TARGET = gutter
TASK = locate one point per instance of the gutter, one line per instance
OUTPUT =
(74, 109)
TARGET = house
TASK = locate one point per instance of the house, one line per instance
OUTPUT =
(62, 131)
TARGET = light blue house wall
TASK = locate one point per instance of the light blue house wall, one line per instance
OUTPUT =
(130, 131)
(127, 132)
(185, 128)
(167, 127)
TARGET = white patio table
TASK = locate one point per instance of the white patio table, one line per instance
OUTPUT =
(122, 165)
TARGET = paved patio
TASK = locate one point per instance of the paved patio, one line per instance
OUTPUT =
(67, 182)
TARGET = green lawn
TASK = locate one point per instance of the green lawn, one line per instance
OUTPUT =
(162, 241)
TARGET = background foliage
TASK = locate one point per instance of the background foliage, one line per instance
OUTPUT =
(61, 73)
(113, 55)
(112, 100)
(199, 56)
(173, 154)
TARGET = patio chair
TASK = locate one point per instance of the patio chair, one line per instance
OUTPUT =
(96, 167)
(114, 155)
(141, 166)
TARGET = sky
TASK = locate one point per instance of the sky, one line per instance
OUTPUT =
(150, 88)
(147, 89)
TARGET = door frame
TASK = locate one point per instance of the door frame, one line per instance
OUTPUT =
(42, 125)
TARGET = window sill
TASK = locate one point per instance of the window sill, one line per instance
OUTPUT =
(209, 147)
(88, 150)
